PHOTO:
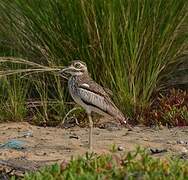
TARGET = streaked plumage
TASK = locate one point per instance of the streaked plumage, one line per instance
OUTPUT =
(90, 95)
(93, 97)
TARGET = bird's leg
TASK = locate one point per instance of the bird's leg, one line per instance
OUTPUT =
(90, 131)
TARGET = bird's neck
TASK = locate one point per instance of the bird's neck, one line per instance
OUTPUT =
(80, 76)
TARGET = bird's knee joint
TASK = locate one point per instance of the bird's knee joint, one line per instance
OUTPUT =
(91, 124)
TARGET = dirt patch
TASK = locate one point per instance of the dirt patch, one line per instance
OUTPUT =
(51, 144)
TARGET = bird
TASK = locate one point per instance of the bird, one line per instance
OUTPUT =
(90, 95)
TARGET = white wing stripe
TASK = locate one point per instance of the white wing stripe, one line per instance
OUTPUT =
(85, 85)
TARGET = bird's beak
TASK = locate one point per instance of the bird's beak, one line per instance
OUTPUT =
(66, 70)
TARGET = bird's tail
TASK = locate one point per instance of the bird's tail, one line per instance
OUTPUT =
(117, 114)
(124, 121)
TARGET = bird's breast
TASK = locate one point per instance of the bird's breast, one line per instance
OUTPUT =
(72, 87)
(73, 90)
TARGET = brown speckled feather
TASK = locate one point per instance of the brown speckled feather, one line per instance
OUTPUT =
(93, 86)
(85, 82)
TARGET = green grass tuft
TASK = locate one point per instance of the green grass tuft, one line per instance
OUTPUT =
(131, 47)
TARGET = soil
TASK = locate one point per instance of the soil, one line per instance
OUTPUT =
(51, 144)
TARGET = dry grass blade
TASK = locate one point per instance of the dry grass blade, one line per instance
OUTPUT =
(21, 61)
(36, 67)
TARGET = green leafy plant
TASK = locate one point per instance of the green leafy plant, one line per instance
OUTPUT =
(134, 165)
(13, 98)
(170, 109)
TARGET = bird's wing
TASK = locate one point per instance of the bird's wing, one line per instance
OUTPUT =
(108, 91)
(92, 99)
(102, 103)
(92, 86)
(94, 94)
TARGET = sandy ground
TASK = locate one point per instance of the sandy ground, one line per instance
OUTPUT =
(49, 144)
(57, 144)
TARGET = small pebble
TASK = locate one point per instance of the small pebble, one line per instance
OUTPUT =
(73, 137)
(157, 151)
(171, 142)
(27, 134)
(126, 134)
(182, 142)
(110, 126)
(120, 148)
(96, 133)
(184, 150)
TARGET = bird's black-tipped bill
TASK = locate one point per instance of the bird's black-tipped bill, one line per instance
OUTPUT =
(69, 70)
(64, 72)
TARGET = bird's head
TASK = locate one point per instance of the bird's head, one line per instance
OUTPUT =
(76, 68)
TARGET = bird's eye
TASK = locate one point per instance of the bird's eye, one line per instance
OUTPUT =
(77, 65)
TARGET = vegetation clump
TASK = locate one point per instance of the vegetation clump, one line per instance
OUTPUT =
(134, 165)
(168, 109)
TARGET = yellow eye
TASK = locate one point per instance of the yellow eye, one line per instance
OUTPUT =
(77, 65)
